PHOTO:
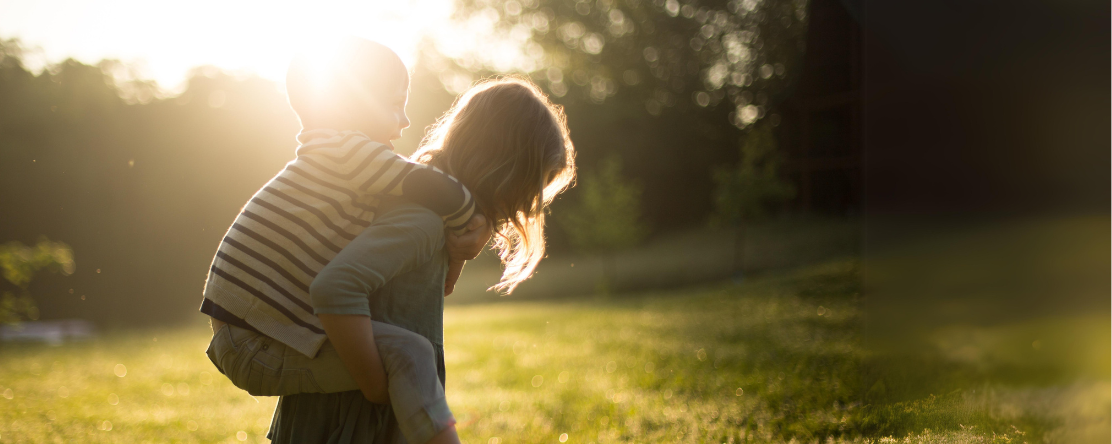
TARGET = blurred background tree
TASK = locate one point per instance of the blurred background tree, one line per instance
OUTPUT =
(665, 52)
(19, 264)
(606, 218)
(145, 182)
(747, 192)
(668, 85)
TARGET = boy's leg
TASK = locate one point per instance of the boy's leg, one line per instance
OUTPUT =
(416, 394)
(409, 359)
(254, 362)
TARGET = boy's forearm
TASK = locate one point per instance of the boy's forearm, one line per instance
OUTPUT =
(353, 338)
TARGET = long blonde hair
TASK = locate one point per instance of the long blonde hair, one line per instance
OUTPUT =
(507, 143)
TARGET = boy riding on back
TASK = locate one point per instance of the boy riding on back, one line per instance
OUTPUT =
(268, 338)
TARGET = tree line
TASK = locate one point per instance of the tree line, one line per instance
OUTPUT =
(142, 185)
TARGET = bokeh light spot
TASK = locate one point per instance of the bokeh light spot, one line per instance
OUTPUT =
(702, 99)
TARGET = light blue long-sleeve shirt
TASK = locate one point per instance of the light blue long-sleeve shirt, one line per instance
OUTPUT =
(402, 238)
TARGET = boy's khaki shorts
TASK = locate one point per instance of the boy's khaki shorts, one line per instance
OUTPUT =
(265, 367)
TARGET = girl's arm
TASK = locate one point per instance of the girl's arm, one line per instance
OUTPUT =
(395, 242)
(354, 341)
(464, 247)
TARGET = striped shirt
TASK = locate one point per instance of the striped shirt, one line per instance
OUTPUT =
(303, 217)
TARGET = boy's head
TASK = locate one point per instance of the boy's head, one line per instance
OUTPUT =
(355, 84)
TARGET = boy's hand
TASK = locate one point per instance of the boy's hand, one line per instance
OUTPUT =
(467, 246)
(464, 247)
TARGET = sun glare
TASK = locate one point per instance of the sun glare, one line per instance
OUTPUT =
(165, 39)
(321, 52)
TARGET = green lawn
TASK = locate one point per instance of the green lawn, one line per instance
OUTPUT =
(777, 359)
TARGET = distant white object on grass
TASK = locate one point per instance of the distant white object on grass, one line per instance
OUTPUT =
(50, 332)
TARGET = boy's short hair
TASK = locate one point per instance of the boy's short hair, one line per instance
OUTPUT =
(351, 74)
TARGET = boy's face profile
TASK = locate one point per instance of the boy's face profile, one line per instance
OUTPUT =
(385, 118)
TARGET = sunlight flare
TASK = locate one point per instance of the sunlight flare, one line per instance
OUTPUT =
(165, 40)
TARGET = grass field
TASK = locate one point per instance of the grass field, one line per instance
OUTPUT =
(776, 359)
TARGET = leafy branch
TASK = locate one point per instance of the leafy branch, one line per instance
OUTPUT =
(19, 264)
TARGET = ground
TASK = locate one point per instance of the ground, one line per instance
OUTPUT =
(778, 358)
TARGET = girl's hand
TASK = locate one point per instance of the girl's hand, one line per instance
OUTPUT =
(467, 246)
(464, 247)
(454, 270)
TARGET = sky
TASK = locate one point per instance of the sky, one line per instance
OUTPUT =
(165, 38)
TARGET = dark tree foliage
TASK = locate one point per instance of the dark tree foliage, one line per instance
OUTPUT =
(141, 188)
(607, 217)
(669, 85)
(746, 191)
(667, 52)
(18, 266)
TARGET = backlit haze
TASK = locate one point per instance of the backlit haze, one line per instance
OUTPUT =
(164, 39)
